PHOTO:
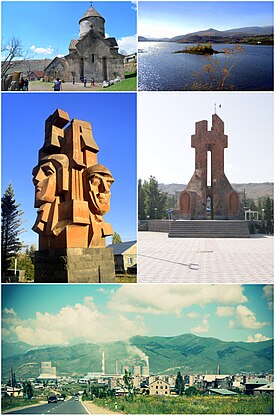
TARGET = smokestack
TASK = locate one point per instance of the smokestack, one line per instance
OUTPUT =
(116, 366)
(103, 363)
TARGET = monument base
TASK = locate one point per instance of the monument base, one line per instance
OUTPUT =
(74, 265)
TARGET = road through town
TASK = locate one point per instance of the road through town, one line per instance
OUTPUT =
(68, 407)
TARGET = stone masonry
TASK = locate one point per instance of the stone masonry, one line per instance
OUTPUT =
(220, 198)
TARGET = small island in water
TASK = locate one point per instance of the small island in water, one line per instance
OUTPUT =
(200, 50)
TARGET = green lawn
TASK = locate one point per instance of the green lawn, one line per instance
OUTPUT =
(126, 278)
(129, 84)
(191, 405)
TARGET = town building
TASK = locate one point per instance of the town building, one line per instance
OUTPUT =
(254, 383)
(217, 381)
(159, 388)
(267, 389)
(219, 392)
(47, 372)
(125, 256)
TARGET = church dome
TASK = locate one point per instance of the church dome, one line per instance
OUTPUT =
(91, 20)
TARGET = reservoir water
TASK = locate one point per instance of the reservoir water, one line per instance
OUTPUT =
(159, 69)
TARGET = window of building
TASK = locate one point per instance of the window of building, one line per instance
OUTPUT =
(130, 260)
(93, 58)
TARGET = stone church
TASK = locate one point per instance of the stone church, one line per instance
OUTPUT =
(91, 56)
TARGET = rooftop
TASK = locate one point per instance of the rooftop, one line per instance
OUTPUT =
(120, 248)
(91, 12)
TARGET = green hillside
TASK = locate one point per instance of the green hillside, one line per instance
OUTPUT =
(191, 353)
(187, 353)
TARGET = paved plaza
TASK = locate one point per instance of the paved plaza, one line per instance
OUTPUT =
(204, 260)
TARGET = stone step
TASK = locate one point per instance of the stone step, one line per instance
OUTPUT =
(209, 229)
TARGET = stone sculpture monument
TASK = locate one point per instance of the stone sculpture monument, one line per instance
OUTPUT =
(218, 196)
(72, 194)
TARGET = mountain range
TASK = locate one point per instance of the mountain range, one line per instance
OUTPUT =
(187, 353)
(216, 35)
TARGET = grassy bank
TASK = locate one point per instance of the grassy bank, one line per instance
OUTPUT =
(190, 405)
(129, 84)
(126, 278)
(13, 402)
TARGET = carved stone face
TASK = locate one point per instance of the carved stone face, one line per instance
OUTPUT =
(99, 180)
(45, 183)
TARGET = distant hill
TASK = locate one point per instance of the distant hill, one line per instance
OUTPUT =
(214, 35)
(28, 65)
(252, 190)
(12, 348)
(254, 30)
(74, 360)
(167, 355)
(191, 353)
(233, 33)
(143, 39)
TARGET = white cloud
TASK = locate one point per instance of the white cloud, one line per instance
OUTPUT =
(78, 323)
(171, 299)
(193, 315)
(9, 311)
(127, 45)
(225, 311)
(42, 51)
(134, 5)
(268, 295)
(5, 333)
(245, 318)
(257, 338)
(204, 327)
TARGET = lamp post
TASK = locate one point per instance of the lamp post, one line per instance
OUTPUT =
(156, 213)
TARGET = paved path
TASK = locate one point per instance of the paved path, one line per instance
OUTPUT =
(67, 86)
(204, 260)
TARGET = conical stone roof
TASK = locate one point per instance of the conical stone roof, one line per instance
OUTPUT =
(91, 12)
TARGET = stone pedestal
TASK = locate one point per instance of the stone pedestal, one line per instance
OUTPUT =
(75, 265)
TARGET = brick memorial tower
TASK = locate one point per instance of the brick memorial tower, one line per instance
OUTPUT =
(72, 194)
(209, 194)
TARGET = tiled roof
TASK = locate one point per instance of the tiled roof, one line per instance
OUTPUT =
(269, 386)
(260, 381)
(112, 41)
(120, 248)
(223, 392)
(91, 12)
(72, 44)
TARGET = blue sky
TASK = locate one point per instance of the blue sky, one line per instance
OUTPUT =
(113, 119)
(168, 19)
(50, 26)
(39, 314)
